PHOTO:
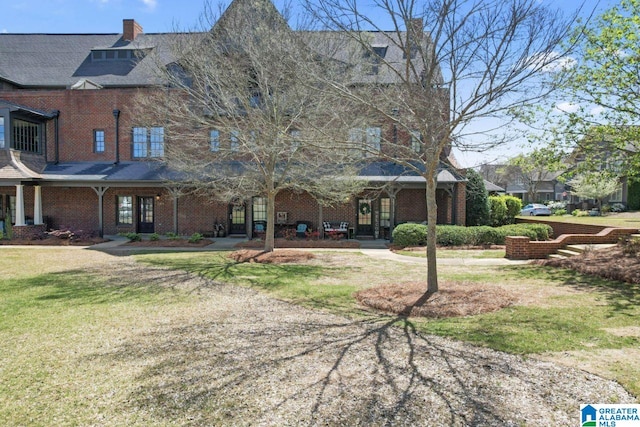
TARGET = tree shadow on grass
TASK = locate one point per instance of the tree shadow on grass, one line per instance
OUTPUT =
(254, 360)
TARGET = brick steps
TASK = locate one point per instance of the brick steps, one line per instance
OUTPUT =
(573, 250)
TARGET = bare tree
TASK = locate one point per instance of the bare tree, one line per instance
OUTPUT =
(246, 114)
(463, 60)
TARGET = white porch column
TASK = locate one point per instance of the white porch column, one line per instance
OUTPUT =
(37, 205)
(19, 219)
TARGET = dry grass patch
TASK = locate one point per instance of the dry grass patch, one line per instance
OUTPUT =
(299, 243)
(275, 257)
(454, 299)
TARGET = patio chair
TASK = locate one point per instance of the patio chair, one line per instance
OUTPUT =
(301, 230)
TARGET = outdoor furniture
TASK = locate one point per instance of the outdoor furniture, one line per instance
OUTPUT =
(341, 227)
(301, 230)
(259, 229)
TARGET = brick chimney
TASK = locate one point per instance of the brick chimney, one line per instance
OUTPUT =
(130, 29)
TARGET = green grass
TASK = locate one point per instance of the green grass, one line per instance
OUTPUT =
(63, 329)
(458, 253)
(614, 220)
(574, 317)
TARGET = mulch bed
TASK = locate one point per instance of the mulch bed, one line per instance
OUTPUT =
(284, 243)
(610, 263)
(453, 299)
(278, 257)
(170, 243)
(53, 241)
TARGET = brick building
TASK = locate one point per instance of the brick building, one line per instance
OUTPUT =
(72, 153)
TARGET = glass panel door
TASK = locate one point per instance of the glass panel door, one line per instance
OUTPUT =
(145, 215)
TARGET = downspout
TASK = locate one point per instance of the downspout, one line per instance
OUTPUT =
(56, 135)
(116, 115)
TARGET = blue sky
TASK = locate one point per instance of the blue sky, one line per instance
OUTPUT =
(157, 16)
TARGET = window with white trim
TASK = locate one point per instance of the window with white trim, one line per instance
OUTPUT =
(259, 209)
(416, 141)
(214, 140)
(98, 141)
(368, 139)
(617, 196)
(125, 210)
(148, 142)
(234, 143)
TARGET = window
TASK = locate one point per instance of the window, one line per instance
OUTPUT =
(416, 141)
(234, 140)
(125, 210)
(156, 136)
(295, 140)
(98, 141)
(617, 196)
(368, 139)
(375, 56)
(1, 132)
(374, 135)
(259, 209)
(214, 140)
(148, 142)
(26, 136)
(385, 212)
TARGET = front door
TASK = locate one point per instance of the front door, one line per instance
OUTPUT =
(365, 217)
(145, 215)
(237, 217)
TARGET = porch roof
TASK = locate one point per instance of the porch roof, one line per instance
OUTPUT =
(388, 172)
(124, 172)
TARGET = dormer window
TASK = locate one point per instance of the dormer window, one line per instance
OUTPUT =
(375, 56)
(116, 54)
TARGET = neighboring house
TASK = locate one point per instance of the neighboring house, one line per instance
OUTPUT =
(72, 153)
(533, 187)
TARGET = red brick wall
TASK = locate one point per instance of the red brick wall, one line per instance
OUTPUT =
(560, 228)
(522, 248)
(82, 111)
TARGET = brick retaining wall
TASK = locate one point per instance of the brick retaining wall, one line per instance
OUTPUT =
(523, 248)
(560, 228)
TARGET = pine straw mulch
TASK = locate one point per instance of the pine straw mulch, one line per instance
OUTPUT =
(170, 243)
(53, 241)
(610, 263)
(300, 243)
(453, 299)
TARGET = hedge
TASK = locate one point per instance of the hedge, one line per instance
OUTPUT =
(455, 235)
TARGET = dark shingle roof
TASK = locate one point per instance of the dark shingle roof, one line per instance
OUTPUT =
(60, 60)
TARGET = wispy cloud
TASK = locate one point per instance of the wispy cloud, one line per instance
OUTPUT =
(151, 4)
(4, 30)
(551, 62)
(567, 107)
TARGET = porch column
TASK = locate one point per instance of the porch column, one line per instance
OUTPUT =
(37, 205)
(19, 219)
(100, 192)
(392, 192)
(175, 194)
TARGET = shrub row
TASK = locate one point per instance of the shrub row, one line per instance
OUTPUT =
(455, 235)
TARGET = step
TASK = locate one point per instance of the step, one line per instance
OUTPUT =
(568, 252)
(556, 256)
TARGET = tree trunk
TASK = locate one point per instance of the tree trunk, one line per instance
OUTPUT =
(269, 237)
(432, 218)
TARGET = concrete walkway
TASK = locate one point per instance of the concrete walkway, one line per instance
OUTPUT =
(372, 248)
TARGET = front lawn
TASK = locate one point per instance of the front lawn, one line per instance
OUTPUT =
(88, 338)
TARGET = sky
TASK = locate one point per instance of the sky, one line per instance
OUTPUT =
(158, 16)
